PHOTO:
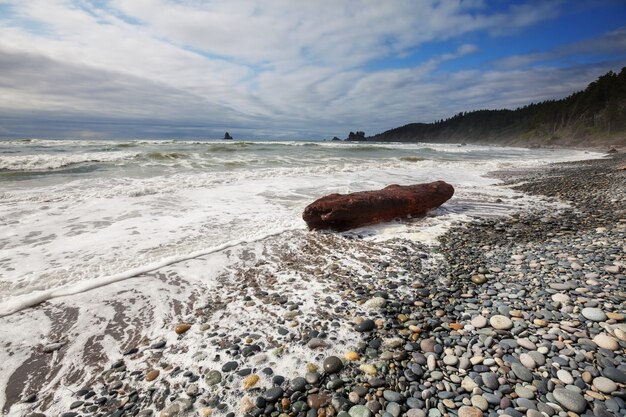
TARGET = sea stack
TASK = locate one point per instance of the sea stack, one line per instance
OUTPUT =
(342, 212)
(227, 136)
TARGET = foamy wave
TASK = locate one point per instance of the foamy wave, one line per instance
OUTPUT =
(20, 302)
(42, 162)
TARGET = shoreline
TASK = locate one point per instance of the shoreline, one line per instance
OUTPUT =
(432, 322)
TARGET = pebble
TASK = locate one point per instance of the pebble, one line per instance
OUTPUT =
(152, 375)
(466, 411)
(478, 279)
(273, 394)
(565, 377)
(570, 400)
(560, 298)
(593, 314)
(527, 360)
(359, 411)
(479, 322)
(468, 384)
(182, 328)
(522, 372)
(479, 402)
(606, 342)
(332, 365)
(213, 377)
(500, 322)
(366, 326)
(614, 374)
(604, 385)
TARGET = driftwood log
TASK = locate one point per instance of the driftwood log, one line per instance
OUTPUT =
(342, 212)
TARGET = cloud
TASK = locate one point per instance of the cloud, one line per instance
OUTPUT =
(191, 68)
(611, 43)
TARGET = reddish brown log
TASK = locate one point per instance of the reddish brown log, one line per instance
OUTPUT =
(347, 211)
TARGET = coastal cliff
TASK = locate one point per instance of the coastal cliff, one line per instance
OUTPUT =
(592, 117)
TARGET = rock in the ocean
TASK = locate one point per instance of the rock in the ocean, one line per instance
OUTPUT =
(347, 211)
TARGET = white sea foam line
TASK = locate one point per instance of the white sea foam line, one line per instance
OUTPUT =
(29, 300)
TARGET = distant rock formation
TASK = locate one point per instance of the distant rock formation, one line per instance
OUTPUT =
(336, 139)
(227, 136)
(347, 211)
(358, 136)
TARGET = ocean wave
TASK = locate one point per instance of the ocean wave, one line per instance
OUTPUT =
(46, 162)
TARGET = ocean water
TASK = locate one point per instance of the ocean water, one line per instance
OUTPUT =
(78, 214)
(106, 245)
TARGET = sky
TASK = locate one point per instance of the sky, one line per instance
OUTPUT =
(289, 69)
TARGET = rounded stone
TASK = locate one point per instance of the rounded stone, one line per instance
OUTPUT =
(415, 412)
(604, 385)
(392, 396)
(273, 394)
(560, 298)
(428, 345)
(213, 377)
(522, 372)
(317, 401)
(524, 392)
(593, 314)
(564, 376)
(614, 374)
(527, 361)
(467, 411)
(182, 328)
(152, 375)
(366, 325)
(478, 279)
(479, 402)
(332, 365)
(479, 322)
(490, 380)
(500, 322)
(605, 341)
(450, 360)
(468, 384)
(359, 411)
(570, 400)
